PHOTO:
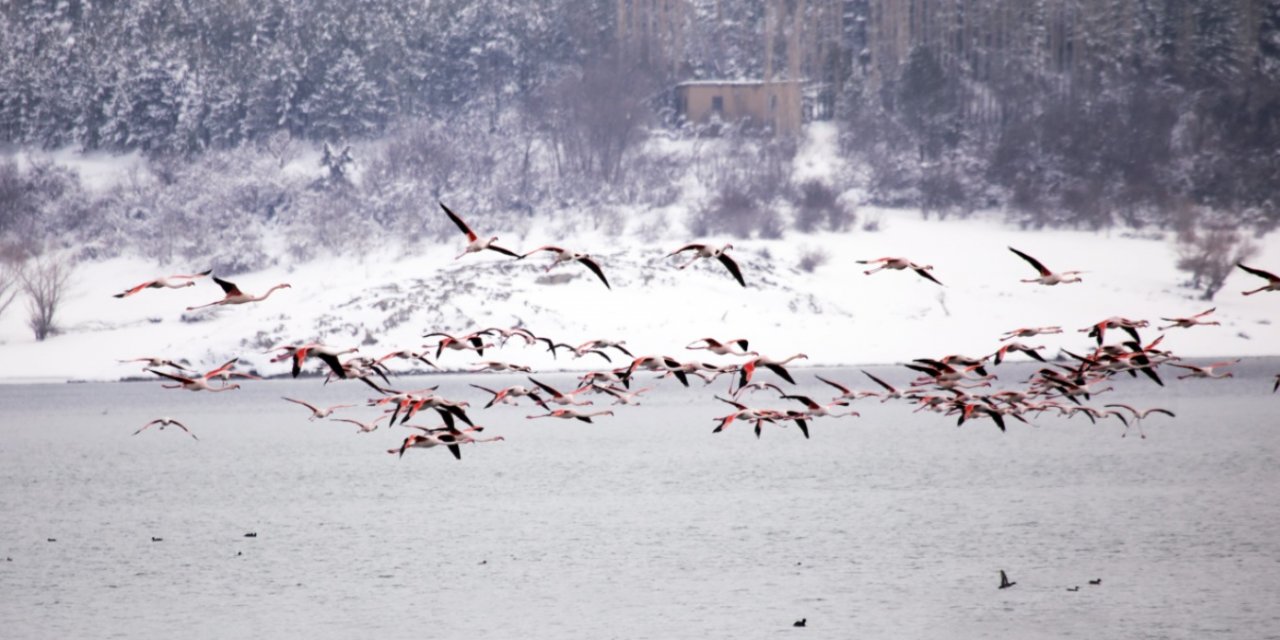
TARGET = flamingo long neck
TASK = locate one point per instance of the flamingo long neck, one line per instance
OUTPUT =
(269, 292)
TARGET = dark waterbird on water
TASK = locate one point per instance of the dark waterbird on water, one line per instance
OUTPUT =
(1096, 581)
(800, 623)
(1004, 580)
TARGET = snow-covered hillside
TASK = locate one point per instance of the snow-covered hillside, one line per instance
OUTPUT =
(387, 300)
(835, 314)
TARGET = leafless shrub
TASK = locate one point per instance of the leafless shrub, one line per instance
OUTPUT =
(819, 206)
(595, 118)
(10, 284)
(811, 258)
(735, 211)
(45, 282)
(280, 146)
(1209, 255)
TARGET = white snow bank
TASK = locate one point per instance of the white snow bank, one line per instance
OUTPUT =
(836, 314)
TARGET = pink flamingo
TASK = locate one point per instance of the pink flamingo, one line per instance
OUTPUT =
(707, 251)
(474, 243)
(900, 264)
(171, 282)
(164, 422)
(1048, 277)
(564, 255)
(1273, 281)
(235, 296)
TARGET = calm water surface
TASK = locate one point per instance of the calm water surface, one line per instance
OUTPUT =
(644, 525)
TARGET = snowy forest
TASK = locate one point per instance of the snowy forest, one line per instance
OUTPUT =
(1080, 113)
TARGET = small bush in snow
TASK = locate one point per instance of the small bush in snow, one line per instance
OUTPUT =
(45, 283)
(812, 258)
(1209, 256)
(818, 206)
(737, 212)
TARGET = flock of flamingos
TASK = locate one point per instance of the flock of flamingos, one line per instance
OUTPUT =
(951, 385)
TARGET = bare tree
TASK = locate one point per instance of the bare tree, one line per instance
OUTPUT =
(45, 283)
(10, 278)
(1209, 255)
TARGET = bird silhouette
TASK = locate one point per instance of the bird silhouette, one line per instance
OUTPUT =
(1004, 580)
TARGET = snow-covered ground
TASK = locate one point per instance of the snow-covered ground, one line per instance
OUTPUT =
(835, 315)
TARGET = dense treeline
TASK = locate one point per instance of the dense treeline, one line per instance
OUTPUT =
(180, 77)
(1082, 112)
(1079, 111)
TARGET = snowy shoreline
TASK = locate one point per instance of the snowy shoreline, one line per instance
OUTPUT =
(835, 314)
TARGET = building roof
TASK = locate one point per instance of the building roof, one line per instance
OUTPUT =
(734, 83)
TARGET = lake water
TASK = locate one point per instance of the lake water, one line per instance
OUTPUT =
(643, 525)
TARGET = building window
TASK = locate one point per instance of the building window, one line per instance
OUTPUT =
(717, 104)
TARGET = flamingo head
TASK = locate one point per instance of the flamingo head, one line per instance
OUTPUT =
(726, 247)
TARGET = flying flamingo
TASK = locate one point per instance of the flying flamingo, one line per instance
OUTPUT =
(164, 422)
(475, 244)
(622, 396)
(236, 296)
(494, 365)
(845, 392)
(760, 416)
(442, 436)
(365, 427)
(757, 386)
(1190, 321)
(1019, 347)
(1029, 332)
(557, 397)
(1048, 277)
(564, 255)
(1207, 371)
(572, 414)
(601, 345)
(501, 396)
(171, 282)
(816, 409)
(891, 392)
(507, 334)
(722, 348)
(707, 251)
(1099, 329)
(900, 264)
(326, 354)
(776, 366)
(409, 354)
(153, 362)
(967, 411)
(1139, 416)
(192, 384)
(1273, 281)
(469, 342)
(318, 413)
